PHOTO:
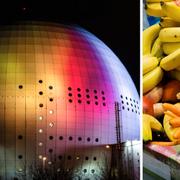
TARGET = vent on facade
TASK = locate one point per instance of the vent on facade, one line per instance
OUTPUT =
(20, 86)
(50, 150)
(69, 158)
(20, 137)
(60, 137)
(50, 99)
(40, 93)
(50, 87)
(41, 105)
(20, 157)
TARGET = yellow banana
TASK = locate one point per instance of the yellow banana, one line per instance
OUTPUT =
(171, 34)
(149, 35)
(150, 123)
(147, 132)
(154, 123)
(171, 61)
(152, 78)
(175, 74)
(157, 1)
(168, 22)
(149, 63)
(154, 9)
(171, 9)
(170, 47)
(157, 48)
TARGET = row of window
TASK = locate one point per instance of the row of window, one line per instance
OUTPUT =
(137, 112)
(88, 102)
(127, 103)
(133, 100)
(21, 87)
(60, 157)
(20, 137)
(87, 96)
(87, 90)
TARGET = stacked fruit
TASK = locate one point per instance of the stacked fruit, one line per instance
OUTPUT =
(161, 74)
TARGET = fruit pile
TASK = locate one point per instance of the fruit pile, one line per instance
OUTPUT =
(161, 74)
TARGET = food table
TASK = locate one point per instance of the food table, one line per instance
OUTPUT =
(161, 162)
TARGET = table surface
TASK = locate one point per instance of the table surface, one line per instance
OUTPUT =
(170, 152)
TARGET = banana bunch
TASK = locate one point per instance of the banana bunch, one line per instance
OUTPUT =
(161, 53)
(152, 53)
(163, 8)
(150, 123)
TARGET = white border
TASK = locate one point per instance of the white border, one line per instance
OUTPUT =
(141, 96)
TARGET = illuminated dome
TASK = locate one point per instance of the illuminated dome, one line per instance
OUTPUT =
(63, 94)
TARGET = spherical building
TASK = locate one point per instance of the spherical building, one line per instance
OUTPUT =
(64, 96)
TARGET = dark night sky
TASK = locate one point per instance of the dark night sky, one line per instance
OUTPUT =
(115, 22)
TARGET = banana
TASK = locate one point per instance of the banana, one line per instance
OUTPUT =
(170, 47)
(157, 1)
(171, 34)
(171, 61)
(149, 63)
(171, 9)
(154, 123)
(149, 35)
(150, 123)
(174, 74)
(168, 22)
(157, 48)
(154, 9)
(152, 78)
(147, 132)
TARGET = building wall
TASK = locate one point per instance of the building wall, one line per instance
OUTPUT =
(58, 88)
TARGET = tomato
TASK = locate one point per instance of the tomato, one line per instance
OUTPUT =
(148, 106)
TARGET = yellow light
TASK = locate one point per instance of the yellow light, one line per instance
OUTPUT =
(40, 130)
(44, 158)
(107, 146)
(40, 118)
(20, 170)
(40, 156)
(51, 124)
(50, 111)
(40, 143)
(77, 157)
